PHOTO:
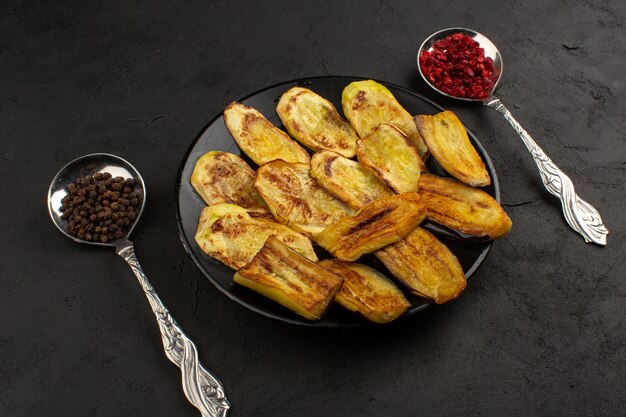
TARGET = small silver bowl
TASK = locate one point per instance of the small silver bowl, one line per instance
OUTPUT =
(490, 51)
(90, 165)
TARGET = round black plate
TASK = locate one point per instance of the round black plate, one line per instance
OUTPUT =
(215, 136)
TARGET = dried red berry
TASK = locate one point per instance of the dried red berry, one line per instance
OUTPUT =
(457, 65)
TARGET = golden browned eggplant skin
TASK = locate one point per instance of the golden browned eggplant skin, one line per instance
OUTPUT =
(367, 291)
(368, 103)
(449, 144)
(374, 226)
(425, 265)
(222, 177)
(290, 279)
(348, 180)
(388, 153)
(233, 235)
(259, 138)
(314, 122)
(296, 199)
(462, 208)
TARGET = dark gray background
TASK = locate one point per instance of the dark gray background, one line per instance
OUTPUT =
(540, 330)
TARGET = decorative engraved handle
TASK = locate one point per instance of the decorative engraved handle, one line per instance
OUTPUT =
(580, 215)
(202, 389)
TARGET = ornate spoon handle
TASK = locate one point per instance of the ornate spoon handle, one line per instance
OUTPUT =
(202, 389)
(580, 215)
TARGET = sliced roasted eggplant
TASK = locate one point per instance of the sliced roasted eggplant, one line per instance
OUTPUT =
(374, 226)
(296, 199)
(462, 208)
(425, 265)
(367, 291)
(259, 138)
(233, 235)
(314, 122)
(222, 177)
(290, 279)
(368, 103)
(388, 153)
(449, 144)
(348, 180)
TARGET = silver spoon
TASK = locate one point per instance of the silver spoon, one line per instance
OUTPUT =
(580, 215)
(202, 389)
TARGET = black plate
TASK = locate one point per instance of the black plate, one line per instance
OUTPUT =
(215, 136)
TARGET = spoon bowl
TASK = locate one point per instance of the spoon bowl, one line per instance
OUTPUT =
(491, 51)
(90, 165)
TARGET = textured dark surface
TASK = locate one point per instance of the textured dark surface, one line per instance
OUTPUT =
(540, 330)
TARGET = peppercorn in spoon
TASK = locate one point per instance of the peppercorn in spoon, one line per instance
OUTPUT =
(461, 82)
(104, 213)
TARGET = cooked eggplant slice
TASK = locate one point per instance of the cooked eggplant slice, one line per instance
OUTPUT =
(290, 279)
(449, 144)
(233, 235)
(465, 209)
(386, 151)
(314, 122)
(425, 265)
(374, 226)
(259, 138)
(348, 180)
(368, 103)
(367, 291)
(222, 177)
(296, 199)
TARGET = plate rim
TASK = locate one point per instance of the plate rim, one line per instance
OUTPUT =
(320, 324)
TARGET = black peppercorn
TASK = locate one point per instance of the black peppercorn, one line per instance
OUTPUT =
(100, 208)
